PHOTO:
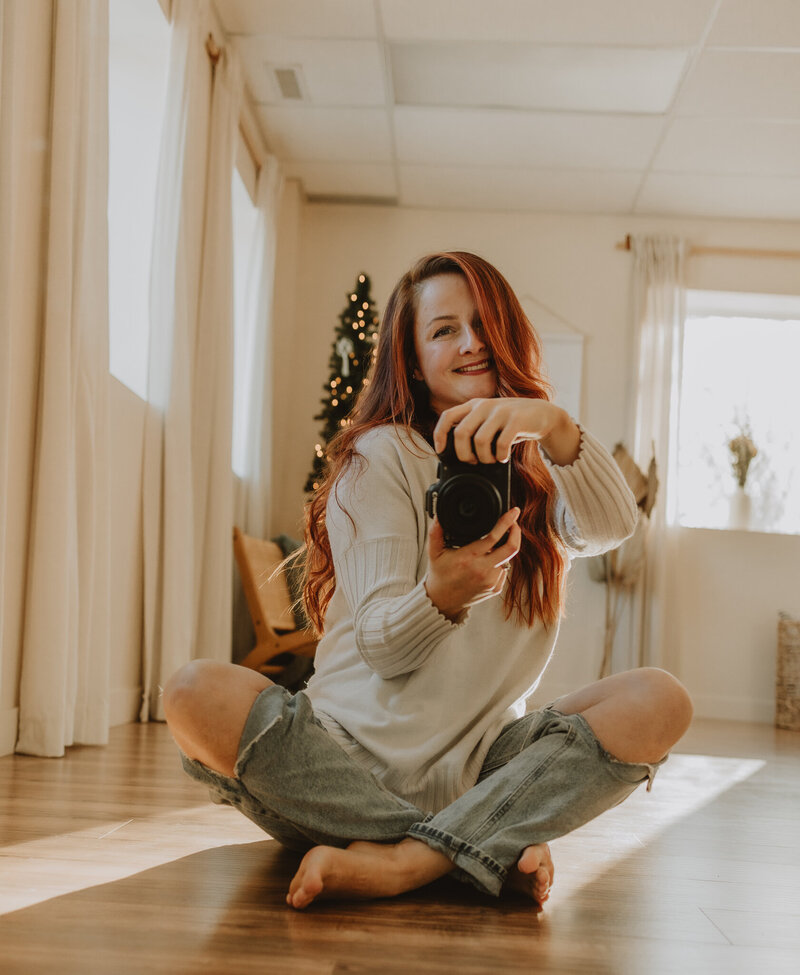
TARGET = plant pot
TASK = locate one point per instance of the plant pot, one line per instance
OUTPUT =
(741, 510)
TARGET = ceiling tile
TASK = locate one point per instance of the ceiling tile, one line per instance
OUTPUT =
(437, 136)
(345, 179)
(767, 23)
(743, 84)
(347, 73)
(327, 134)
(306, 18)
(590, 79)
(631, 22)
(755, 197)
(500, 188)
(731, 146)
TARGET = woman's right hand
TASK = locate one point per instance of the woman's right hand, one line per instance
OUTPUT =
(460, 577)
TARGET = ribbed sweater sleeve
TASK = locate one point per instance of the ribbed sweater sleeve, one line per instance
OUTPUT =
(380, 562)
(596, 510)
(396, 629)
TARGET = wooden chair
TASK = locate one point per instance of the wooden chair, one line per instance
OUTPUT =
(270, 605)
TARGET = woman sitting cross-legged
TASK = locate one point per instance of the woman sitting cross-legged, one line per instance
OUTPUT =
(411, 753)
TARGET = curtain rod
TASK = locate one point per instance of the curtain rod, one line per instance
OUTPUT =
(697, 250)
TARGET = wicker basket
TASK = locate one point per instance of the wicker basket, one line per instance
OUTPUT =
(787, 685)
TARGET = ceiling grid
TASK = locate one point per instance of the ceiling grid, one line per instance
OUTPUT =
(690, 107)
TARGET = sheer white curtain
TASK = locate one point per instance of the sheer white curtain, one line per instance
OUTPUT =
(659, 299)
(6, 224)
(188, 483)
(252, 504)
(64, 696)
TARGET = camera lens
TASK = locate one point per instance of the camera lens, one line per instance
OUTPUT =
(468, 508)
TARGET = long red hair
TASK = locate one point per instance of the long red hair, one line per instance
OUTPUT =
(536, 580)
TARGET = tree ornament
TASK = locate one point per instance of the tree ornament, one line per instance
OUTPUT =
(344, 349)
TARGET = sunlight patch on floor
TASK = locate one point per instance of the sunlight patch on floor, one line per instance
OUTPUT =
(38, 870)
(682, 786)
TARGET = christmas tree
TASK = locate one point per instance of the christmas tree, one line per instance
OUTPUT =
(351, 355)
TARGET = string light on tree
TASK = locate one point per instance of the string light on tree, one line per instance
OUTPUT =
(353, 350)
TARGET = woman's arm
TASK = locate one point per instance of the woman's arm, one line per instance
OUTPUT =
(595, 509)
(377, 529)
(486, 429)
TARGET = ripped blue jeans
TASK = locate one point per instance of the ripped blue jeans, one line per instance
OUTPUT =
(545, 775)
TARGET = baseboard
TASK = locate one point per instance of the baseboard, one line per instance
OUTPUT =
(9, 721)
(125, 705)
(734, 708)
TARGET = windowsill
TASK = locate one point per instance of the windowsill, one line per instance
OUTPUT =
(749, 530)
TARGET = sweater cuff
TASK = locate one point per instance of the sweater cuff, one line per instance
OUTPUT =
(594, 491)
(400, 636)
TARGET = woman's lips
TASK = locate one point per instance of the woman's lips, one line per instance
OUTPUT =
(474, 368)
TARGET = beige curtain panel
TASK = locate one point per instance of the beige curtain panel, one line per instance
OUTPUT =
(659, 303)
(187, 477)
(64, 666)
(252, 504)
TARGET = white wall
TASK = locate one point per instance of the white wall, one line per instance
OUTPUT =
(731, 587)
(570, 264)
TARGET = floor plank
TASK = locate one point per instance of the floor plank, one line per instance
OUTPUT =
(113, 862)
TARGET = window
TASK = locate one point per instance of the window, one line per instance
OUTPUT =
(137, 73)
(740, 389)
(245, 252)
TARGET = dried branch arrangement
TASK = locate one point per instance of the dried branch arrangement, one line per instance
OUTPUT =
(743, 450)
(621, 568)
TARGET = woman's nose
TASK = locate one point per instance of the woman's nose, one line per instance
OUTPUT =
(471, 341)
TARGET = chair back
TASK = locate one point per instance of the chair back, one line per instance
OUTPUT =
(266, 591)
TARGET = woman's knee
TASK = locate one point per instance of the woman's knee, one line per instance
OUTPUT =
(206, 704)
(188, 690)
(668, 703)
(639, 715)
(668, 692)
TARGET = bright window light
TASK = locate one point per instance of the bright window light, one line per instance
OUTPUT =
(740, 379)
(245, 220)
(138, 58)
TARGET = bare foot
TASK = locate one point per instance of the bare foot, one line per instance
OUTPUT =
(365, 870)
(533, 875)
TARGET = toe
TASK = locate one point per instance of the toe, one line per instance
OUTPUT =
(305, 893)
(529, 861)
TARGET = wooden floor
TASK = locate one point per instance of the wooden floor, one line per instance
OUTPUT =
(113, 862)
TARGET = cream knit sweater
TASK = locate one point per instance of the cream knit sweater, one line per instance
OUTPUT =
(415, 698)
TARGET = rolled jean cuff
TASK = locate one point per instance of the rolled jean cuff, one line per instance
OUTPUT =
(472, 865)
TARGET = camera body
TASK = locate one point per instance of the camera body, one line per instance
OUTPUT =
(468, 499)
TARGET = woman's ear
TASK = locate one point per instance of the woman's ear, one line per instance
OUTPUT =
(415, 372)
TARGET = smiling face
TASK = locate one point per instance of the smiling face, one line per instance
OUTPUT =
(452, 357)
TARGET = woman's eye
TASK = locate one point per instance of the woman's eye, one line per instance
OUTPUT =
(444, 330)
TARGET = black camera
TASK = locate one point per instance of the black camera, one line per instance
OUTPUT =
(468, 499)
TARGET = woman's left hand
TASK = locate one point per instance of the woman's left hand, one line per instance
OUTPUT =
(485, 429)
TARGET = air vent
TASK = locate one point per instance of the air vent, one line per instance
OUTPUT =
(288, 80)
